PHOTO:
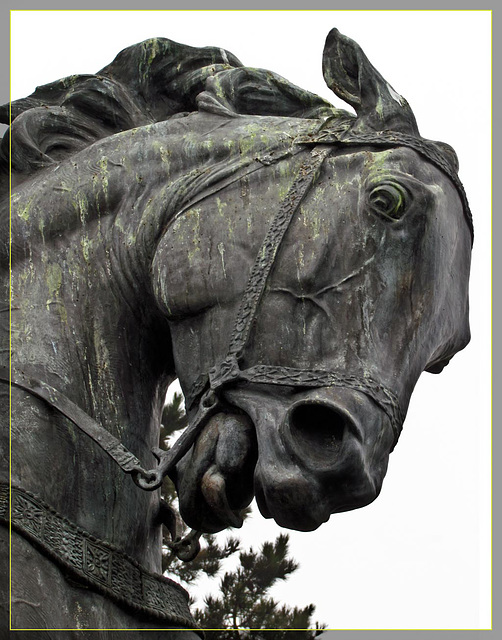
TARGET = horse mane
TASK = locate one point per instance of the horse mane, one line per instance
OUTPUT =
(159, 79)
(146, 83)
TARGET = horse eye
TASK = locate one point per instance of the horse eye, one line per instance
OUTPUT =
(389, 199)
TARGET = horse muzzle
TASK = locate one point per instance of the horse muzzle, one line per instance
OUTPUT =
(303, 454)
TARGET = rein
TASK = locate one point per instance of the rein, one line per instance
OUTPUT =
(57, 400)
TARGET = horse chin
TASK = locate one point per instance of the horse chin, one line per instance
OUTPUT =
(305, 513)
(302, 503)
(214, 480)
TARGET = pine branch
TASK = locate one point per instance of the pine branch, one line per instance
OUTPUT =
(174, 418)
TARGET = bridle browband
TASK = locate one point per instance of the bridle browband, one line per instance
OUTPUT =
(339, 131)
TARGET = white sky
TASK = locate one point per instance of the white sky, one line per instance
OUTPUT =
(418, 557)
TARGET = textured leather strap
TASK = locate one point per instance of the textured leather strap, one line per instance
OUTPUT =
(109, 443)
(96, 563)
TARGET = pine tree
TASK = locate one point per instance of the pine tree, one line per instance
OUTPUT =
(243, 608)
(244, 603)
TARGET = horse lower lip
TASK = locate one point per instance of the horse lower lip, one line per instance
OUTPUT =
(262, 503)
(214, 491)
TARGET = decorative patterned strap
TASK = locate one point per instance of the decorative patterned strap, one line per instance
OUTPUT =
(265, 259)
(96, 563)
(384, 397)
(288, 376)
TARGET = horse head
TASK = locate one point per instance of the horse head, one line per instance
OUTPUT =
(306, 299)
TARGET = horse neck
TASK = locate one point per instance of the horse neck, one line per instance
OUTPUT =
(97, 347)
(84, 320)
(80, 324)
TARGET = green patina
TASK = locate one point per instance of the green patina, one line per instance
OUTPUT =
(223, 213)
(378, 160)
(41, 228)
(284, 179)
(102, 360)
(299, 270)
(193, 241)
(154, 50)
(54, 279)
(119, 223)
(25, 212)
(379, 107)
(208, 144)
(312, 220)
(81, 206)
(86, 244)
(221, 251)
(164, 154)
(248, 142)
(220, 91)
(104, 174)
(148, 54)
(249, 221)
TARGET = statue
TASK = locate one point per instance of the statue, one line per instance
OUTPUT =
(181, 215)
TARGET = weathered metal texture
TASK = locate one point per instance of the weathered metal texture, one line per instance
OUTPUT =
(297, 267)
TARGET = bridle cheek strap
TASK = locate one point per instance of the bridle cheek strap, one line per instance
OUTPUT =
(228, 371)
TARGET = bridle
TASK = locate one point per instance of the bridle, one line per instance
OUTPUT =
(207, 389)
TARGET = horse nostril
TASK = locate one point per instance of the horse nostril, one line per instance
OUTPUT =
(318, 427)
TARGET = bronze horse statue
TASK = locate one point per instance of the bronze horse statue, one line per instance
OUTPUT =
(296, 266)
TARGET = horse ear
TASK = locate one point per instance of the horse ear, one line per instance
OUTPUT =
(348, 72)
